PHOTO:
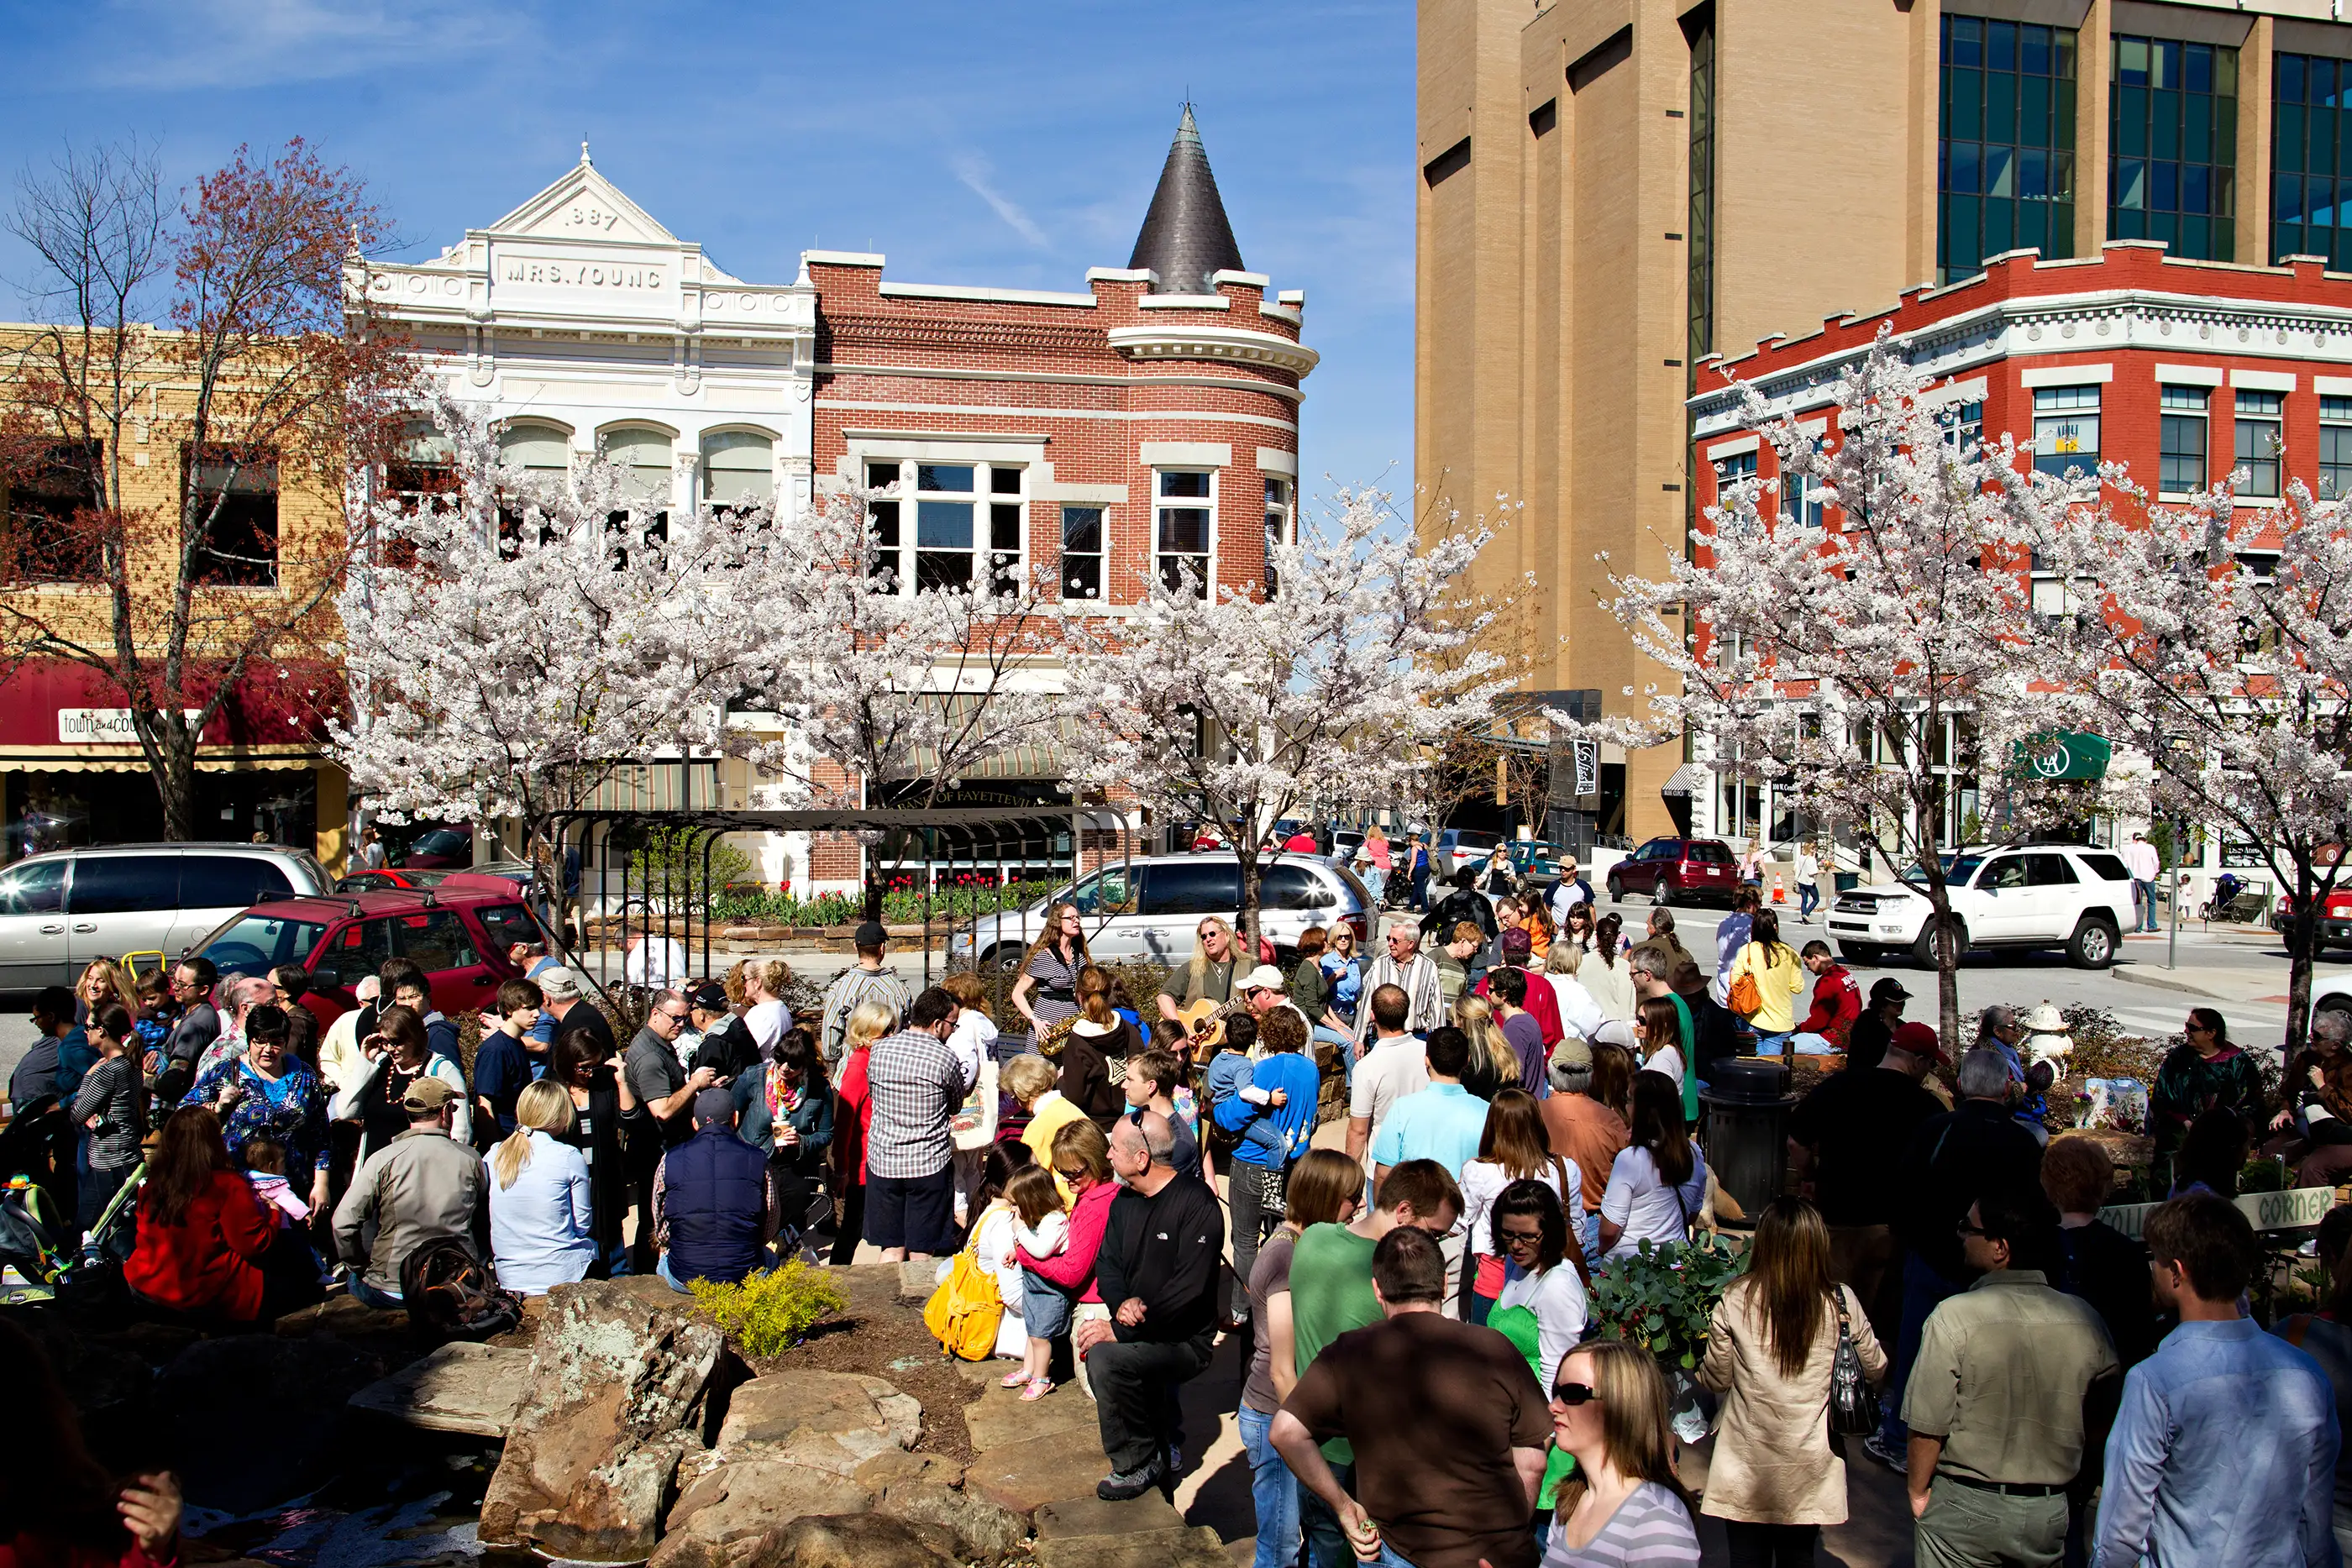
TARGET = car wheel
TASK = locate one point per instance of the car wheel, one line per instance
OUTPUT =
(1616, 889)
(1923, 950)
(1858, 952)
(1662, 893)
(1004, 958)
(2093, 945)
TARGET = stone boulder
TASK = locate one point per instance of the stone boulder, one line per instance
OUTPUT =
(853, 1541)
(617, 1376)
(829, 1421)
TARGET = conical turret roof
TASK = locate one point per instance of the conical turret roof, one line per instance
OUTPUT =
(1185, 234)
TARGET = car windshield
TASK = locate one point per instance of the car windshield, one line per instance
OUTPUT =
(1961, 870)
(256, 944)
(440, 842)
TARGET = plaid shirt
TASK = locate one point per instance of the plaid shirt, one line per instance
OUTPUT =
(850, 989)
(917, 1083)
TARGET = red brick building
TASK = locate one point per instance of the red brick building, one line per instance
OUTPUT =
(2180, 370)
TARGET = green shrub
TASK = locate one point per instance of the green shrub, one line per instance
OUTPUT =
(769, 1312)
(1663, 1298)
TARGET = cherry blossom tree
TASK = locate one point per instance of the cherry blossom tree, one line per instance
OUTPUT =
(261, 373)
(512, 639)
(1244, 708)
(1868, 655)
(2222, 636)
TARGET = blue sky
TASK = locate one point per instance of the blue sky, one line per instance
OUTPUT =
(1006, 144)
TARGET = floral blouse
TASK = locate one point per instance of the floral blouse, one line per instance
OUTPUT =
(290, 1112)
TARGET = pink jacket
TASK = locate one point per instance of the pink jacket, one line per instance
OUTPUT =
(1075, 1265)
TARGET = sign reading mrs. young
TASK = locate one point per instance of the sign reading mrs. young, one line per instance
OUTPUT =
(625, 271)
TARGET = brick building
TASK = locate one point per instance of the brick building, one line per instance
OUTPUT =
(2181, 369)
(1148, 420)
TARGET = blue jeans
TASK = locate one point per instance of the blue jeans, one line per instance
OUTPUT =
(661, 1267)
(1326, 1543)
(1924, 1290)
(1346, 1048)
(1770, 1044)
(1274, 1492)
(2147, 890)
(1808, 896)
(367, 1295)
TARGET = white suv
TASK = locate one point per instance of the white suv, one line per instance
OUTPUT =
(2030, 896)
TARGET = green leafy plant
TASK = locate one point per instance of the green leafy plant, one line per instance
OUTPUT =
(1663, 1298)
(774, 1310)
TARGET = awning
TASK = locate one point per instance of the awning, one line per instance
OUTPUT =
(117, 759)
(2067, 755)
(1683, 780)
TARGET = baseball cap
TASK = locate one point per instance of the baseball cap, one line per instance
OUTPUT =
(558, 985)
(1265, 977)
(870, 934)
(713, 1105)
(1889, 988)
(1572, 1054)
(1919, 1039)
(1517, 943)
(428, 1094)
(710, 997)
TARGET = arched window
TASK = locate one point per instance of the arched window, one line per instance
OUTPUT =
(540, 451)
(643, 457)
(738, 468)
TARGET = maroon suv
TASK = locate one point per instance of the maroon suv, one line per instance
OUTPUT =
(1676, 871)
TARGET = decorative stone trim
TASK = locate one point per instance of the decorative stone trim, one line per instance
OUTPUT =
(1240, 344)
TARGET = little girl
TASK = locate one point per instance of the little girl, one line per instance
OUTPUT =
(1042, 1228)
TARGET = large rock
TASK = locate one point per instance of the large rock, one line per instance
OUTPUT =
(302, 1385)
(460, 1387)
(719, 1514)
(1197, 1547)
(832, 1421)
(620, 1368)
(984, 1532)
(853, 1541)
(1024, 1476)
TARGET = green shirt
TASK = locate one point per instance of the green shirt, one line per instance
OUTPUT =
(1308, 990)
(1331, 1294)
(1690, 1059)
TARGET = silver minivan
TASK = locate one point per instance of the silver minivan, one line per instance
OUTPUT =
(1150, 908)
(61, 910)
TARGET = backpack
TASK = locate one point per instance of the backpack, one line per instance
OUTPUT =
(963, 1313)
(447, 1289)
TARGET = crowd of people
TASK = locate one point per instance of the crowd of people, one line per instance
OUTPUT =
(1513, 1098)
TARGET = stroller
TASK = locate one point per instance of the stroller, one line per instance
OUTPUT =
(38, 1257)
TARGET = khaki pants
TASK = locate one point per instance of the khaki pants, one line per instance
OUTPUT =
(1866, 1259)
(1082, 1312)
(1967, 1528)
(1451, 1245)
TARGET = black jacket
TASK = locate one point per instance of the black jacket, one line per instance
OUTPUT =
(1165, 1251)
(1954, 1159)
(1462, 904)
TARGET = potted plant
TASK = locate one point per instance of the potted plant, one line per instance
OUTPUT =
(1663, 1298)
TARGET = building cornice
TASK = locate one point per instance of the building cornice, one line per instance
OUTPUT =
(1054, 378)
(1173, 341)
(2034, 327)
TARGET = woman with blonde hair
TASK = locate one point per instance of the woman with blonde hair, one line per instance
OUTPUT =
(103, 983)
(1775, 1481)
(542, 1211)
(1494, 1065)
(1624, 1506)
(1035, 1087)
(1049, 970)
(853, 1118)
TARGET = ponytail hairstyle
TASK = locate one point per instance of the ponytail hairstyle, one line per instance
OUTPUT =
(544, 1106)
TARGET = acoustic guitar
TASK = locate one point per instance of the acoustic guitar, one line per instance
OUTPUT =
(1205, 1022)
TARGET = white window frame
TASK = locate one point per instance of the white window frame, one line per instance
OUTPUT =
(986, 560)
(703, 471)
(2253, 423)
(1281, 521)
(2335, 414)
(2059, 410)
(2196, 403)
(1185, 503)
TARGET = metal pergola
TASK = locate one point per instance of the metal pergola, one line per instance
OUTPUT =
(968, 839)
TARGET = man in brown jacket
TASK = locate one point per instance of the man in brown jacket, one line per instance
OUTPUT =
(1682, 971)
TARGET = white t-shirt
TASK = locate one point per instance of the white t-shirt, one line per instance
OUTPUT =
(1556, 1296)
(1389, 1072)
(1668, 1060)
(766, 1020)
(1644, 1206)
(973, 1033)
(1483, 1182)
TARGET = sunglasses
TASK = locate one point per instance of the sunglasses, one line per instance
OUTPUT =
(1965, 1228)
(1069, 1173)
(674, 1018)
(1573, 1394)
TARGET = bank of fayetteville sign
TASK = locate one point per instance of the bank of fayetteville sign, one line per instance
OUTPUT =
(100, 726)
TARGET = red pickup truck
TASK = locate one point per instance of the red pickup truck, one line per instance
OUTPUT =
(457, 931)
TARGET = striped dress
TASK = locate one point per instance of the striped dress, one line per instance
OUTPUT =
(1651, 1529)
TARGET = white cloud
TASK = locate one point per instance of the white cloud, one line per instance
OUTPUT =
(183, 44)
(974, 171)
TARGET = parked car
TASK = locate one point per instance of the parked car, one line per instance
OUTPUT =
(1677, 871)
(458, 932)
(2335, 916)
(61, 910)
(1151, 908)
(439, 849)
(2028, 895)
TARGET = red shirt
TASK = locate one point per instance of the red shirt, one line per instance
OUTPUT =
(856, 1095)
(209, 1262)
(28, 1550)
(1837, 1002)
(1075, 1265)
(1298, 844)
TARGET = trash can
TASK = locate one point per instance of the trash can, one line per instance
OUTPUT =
(1748, 1103)
(1846, 881)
